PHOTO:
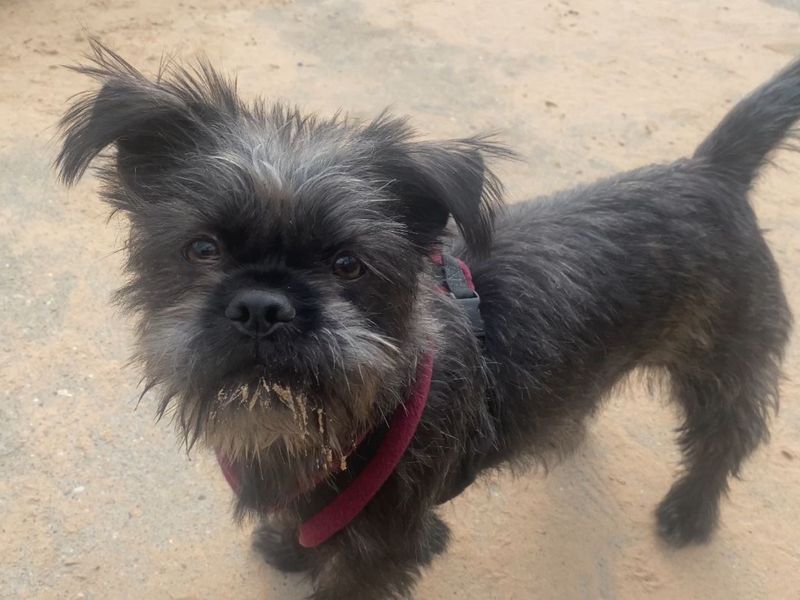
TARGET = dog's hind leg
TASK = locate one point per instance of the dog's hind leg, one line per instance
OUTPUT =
(727, 382)
(726, 396)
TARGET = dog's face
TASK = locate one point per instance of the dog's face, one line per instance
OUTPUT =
(275, 261)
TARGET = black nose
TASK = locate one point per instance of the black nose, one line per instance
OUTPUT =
(259, 312)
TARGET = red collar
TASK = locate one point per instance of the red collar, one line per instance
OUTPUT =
(346, 506)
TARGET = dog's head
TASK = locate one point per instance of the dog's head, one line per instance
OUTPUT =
(277, 262)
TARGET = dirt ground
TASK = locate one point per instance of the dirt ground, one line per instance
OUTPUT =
(97, 501)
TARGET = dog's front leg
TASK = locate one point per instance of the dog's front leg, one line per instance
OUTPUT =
(374, 559)
(277, 543)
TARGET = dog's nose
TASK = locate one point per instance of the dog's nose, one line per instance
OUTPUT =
(259, 312)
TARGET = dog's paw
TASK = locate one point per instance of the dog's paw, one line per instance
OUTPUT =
(436, 539)
(280, 549)
(682, 521)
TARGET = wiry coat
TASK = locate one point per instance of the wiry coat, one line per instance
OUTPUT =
(663, 268)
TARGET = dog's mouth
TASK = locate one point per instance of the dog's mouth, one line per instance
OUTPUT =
(252, 409)
(257, 387)
(245, 401)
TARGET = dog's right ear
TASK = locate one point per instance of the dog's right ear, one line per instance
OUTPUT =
(148, 122)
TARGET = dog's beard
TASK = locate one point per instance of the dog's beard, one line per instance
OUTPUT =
(312, 398)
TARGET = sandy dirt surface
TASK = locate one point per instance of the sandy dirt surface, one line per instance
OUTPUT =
(97, 501)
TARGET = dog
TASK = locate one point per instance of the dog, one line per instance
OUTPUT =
(358, 327)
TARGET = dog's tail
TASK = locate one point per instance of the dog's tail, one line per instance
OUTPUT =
(761, 122)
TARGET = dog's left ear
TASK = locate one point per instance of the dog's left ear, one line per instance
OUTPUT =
(436, 180)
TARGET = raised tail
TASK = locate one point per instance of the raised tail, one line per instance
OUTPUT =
(741, 143)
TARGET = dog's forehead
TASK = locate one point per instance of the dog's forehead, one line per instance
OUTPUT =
(270, 190)
(293, 179)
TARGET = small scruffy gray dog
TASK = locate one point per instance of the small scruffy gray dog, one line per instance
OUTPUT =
(305, 312)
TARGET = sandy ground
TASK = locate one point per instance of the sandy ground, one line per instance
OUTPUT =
(96, 501)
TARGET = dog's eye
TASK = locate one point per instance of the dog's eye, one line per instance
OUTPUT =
(347, 266)
(204, 249)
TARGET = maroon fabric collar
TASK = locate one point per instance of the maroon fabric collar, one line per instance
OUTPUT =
(346, 506)
(352, 500)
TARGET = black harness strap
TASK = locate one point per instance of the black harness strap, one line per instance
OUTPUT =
(458, 286)
(457, 281)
